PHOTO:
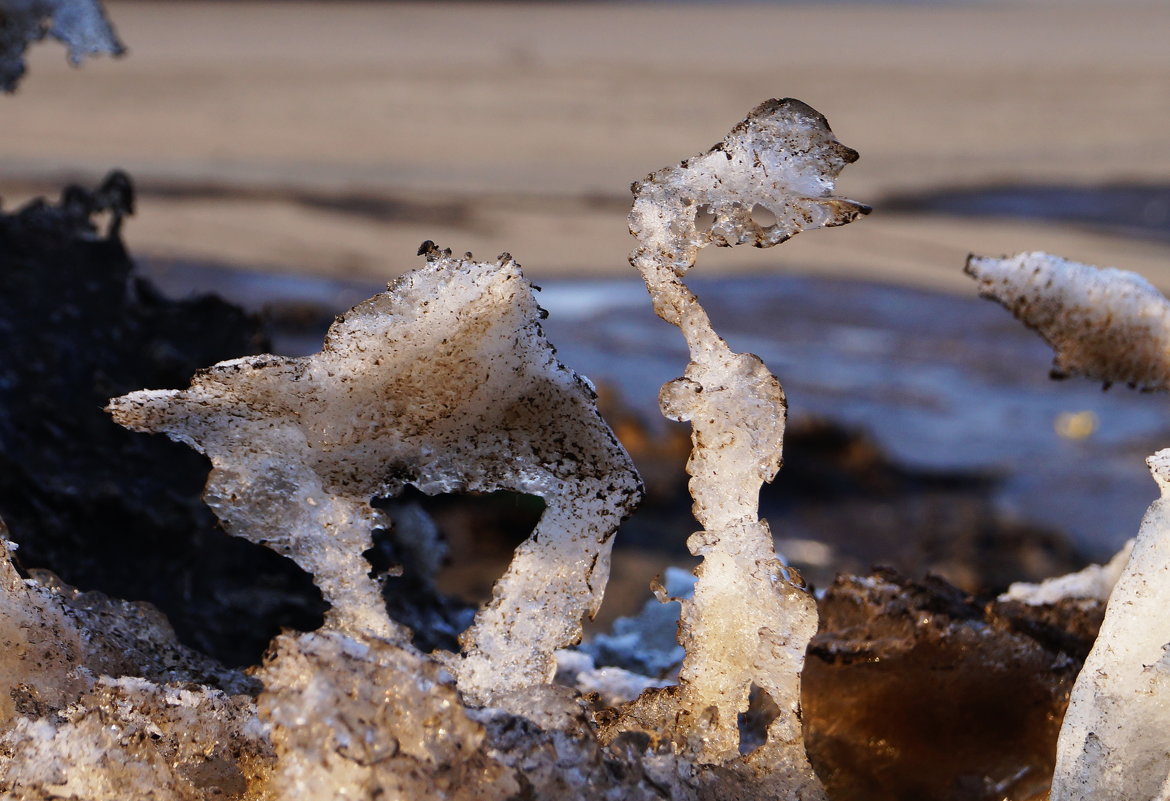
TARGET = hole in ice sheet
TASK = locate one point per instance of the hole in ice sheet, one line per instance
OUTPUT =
(753, 724)
(404, 560)
(447, 573)
(704, 219)
(483, 531)
(763, 216)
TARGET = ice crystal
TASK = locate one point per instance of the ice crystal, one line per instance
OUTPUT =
(445, 382)
(81, 25)
(750, 619)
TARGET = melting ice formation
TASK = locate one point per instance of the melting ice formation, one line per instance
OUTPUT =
(81, 25)
(750, 619)
(1107, 324)
(1112, 326)
(446, 382)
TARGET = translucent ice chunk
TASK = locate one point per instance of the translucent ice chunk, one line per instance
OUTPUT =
(1106, 324)
(1115, 739)
(750, 619)
(80, 24)
(370, 719)
(445, 382)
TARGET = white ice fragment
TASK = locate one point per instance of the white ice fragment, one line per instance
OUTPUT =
(750, 619)
(1095, 582)
(613, 685)
(1106, 324)
(1115, 740)
(445, 382)
(81, 25)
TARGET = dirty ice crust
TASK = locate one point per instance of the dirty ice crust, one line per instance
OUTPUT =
(444, 382)
(1102, 323)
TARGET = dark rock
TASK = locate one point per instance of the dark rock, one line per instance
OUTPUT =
(105, 508)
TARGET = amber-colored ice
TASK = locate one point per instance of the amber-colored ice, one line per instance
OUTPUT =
(916, 690)
(750, 618)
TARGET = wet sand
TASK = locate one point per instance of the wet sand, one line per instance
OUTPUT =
(330, 139)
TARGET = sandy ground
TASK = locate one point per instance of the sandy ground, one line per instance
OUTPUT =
(332, 138)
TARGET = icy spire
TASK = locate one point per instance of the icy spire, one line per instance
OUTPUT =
(750, 619)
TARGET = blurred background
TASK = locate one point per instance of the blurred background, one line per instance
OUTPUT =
(292, 156)
(330, 138)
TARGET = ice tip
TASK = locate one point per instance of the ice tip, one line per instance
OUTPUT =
(790, 104)
(970, 267)
(1159, 465)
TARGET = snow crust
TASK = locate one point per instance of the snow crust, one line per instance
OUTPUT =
(98, 700)
(81, 25)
